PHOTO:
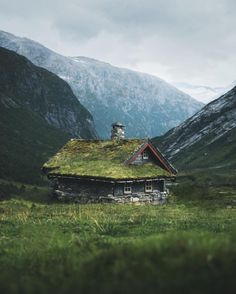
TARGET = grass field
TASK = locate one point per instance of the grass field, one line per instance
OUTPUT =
(185, 246)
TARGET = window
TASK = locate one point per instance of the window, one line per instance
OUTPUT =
(148, 186)
(162, 186)
(145, 155)
(127, 188)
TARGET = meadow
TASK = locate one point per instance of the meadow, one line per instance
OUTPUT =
(185, 246)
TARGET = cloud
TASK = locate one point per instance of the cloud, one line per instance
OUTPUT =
(180, 40)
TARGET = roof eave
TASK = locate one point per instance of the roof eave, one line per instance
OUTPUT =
(110, 179)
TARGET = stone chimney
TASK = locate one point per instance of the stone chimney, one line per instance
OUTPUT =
(118, 131)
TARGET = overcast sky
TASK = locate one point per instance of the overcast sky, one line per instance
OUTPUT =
(191, 41)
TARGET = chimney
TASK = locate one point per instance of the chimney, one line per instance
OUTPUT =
(118, 131)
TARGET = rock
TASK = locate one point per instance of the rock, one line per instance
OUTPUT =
(134, 199)
(137, 203)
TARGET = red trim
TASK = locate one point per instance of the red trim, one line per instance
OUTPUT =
(153, 151)
(136, 154)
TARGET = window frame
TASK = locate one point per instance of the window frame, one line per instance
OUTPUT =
(128, 188)
(148, 184)
(145, 155)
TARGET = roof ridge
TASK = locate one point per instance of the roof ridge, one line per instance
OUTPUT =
(106, 140)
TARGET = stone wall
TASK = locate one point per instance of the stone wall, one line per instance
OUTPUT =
(86, 191)
(142, 198)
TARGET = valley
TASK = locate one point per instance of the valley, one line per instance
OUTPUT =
(185, 245)
(147, 105)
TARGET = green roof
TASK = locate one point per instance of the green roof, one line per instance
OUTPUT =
(101, 159)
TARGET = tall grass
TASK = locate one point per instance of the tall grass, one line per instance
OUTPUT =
(185, 246)
(182, 247)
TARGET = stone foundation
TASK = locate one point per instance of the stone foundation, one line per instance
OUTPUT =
(139, 198)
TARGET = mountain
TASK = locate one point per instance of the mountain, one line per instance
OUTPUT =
(44, 93)
(38, 114)
(147, 105)
(207, 139)
(204, 93)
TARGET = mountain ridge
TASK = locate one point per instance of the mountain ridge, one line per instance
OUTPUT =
(44, 93)
(147, 105)
(207, 139)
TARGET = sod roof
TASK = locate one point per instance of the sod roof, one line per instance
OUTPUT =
(102, 159)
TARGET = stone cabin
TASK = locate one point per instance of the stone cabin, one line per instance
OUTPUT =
(117, 170)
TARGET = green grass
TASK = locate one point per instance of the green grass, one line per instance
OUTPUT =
(185, 246)
(102, 158)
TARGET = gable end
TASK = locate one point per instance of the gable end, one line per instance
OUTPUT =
(155, 152)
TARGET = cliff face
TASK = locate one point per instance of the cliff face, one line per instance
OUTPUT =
(35, 88)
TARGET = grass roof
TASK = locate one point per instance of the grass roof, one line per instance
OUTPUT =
(100, 158)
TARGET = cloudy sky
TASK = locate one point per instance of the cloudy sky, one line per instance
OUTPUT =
(191, 41)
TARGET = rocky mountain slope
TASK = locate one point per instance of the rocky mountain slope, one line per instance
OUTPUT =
(44, 93)
(147, 105)
(207, 139)
(38, 114)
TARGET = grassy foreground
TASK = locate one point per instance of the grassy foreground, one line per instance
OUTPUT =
(182, 247)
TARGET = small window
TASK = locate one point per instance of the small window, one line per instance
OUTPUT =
(145, 155)
(139, 157)
(127, 188)
(148, 186)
